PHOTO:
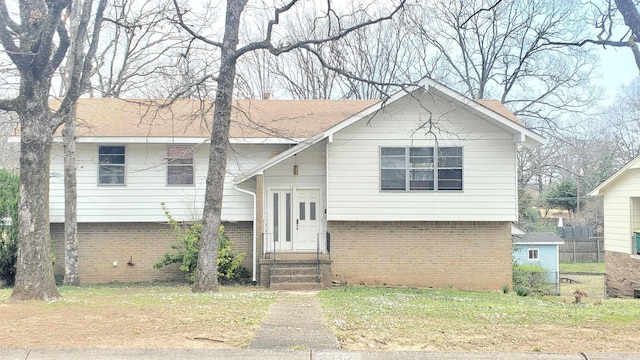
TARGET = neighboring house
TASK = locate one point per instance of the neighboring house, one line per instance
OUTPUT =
(539, 248)
(419, 190)
(621, 193)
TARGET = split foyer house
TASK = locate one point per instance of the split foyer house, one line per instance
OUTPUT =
(419, 190)
(621, 195)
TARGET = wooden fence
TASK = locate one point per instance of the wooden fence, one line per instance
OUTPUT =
(582, 250)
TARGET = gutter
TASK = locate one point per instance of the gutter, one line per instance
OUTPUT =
(255, 257)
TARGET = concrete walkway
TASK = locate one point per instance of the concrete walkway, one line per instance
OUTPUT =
(294, 322)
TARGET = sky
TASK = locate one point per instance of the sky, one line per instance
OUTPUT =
(617, 68)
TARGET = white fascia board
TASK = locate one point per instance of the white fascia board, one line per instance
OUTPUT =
(527, 137)
(538, 243)
(172, 140)
(598, 190)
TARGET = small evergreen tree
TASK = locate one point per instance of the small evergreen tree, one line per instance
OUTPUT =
(229, 262)
(9, 195)
(563, 195)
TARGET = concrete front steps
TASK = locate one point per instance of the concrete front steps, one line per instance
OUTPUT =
(295, 275)
(296, 271)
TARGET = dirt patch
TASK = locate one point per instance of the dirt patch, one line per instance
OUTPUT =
(147, 317)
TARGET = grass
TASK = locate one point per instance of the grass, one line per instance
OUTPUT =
(586, 267)
(135, 315)
(413, 319)
(592, 284)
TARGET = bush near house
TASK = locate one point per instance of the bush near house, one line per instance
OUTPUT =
(530, 280)
(230, 267)
(9, 195)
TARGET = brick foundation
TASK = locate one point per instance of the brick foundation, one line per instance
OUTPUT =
(623, 274)
(102, 244)
(463, 255)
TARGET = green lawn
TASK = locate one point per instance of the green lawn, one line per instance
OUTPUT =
(413, 319)
(588, 267)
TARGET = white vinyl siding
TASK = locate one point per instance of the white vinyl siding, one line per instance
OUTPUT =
(618, 202)
(311, 175)
(489, 191)
(146, 188)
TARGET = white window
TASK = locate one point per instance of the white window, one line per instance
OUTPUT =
(180, 165)
(533, 254)
(111, 161)
(419, 168)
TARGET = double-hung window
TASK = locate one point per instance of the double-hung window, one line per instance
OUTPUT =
(111, 166)
(533, 254)
(180, 165)
(420, 168)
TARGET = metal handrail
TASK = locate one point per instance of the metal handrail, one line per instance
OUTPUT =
(268, 247)
(322, 242)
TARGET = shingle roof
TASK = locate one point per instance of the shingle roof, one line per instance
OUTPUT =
(98, 117)
(193, 118)
(499, 107)
(540, 238)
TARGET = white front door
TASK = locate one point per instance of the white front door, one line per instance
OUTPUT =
(294, 217)
(307, 223)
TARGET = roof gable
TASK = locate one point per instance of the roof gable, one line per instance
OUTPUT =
(490, 110)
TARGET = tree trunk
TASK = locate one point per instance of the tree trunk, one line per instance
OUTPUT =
(34, 268)
(70, 201)
(206, 271)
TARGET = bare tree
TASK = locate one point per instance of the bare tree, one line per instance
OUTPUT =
(36, 41)
(143, 47)
(623, 118)
(504, 53)
(230, 51)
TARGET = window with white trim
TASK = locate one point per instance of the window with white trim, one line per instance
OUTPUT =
(420, 168)
(534, 254)
(111, 165)
(179, 165)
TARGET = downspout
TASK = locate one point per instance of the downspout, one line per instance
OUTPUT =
(255, 203)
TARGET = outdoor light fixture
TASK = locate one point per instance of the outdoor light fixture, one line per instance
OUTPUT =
(295, 164)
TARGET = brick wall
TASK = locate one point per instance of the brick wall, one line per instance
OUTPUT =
(623, 274)
(100, 245)
(464, 255)
(241, 234)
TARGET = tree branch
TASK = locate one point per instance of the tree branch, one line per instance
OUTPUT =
(8, 105)
(266, 44)
(6, 38)
(478, 12)
(82, 62)
(189, 30)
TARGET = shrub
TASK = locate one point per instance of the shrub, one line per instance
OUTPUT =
(9, 195)
(188, 239)
(529, 280)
